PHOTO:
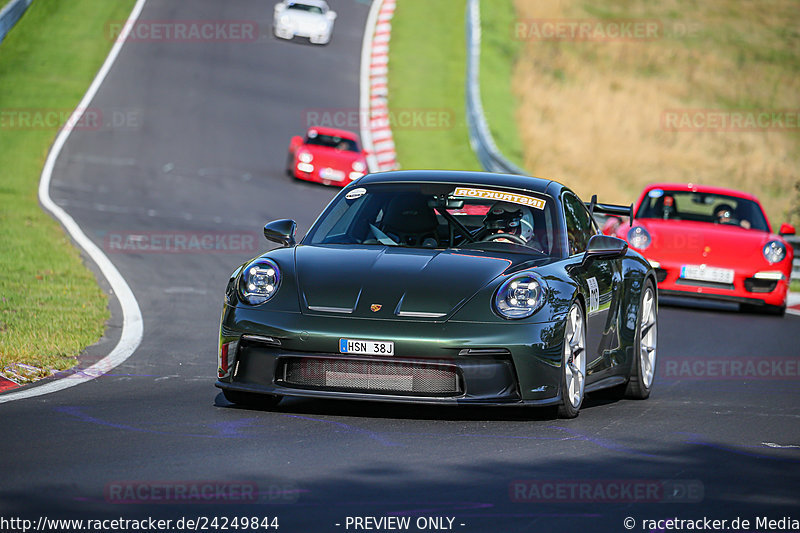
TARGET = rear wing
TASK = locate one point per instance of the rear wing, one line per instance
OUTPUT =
(609, 209)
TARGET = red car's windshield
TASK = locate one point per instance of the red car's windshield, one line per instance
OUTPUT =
(703, 207)
(333, 141)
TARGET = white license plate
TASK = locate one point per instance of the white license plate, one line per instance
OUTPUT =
(704, 273)
(331, 174)
(365, 347)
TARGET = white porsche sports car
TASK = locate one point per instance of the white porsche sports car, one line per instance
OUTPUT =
(312, 19)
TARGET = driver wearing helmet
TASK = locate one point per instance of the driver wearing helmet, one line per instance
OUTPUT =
(512, 219)
(723, 214)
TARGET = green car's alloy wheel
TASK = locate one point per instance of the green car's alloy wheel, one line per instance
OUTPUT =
(644, 364)
(574, 365)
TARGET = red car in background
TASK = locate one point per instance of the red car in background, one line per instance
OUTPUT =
(710, 242)
(327, 155)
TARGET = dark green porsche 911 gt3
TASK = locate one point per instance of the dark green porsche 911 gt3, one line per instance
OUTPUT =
(442, 287)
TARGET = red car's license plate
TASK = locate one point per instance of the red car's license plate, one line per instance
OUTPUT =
(706, 273)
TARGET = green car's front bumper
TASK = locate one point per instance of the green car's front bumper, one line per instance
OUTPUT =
(292, 354)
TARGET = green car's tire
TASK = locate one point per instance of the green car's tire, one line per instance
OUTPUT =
(643, 366)
(573, 366)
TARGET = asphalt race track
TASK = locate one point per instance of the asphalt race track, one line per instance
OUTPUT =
(194, 144)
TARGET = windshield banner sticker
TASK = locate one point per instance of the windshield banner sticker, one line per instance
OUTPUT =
(355, 193)
(486, 194)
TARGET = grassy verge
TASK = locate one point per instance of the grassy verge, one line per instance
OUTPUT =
(499, 54)
(427, 68)
(593, 111)
(50, 304)
(795, 285)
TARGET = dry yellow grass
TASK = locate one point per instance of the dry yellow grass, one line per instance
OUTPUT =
(591, 112)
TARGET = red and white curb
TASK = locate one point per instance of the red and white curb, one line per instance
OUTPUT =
(793, 303)
(376, 131)
(7, 384)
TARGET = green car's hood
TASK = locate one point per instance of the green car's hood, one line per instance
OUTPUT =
(416, 284)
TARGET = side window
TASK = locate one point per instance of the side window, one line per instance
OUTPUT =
(580, 226)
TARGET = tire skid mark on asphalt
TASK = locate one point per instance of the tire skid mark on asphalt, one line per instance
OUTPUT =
(348, 428)
(146, 211)
(781, 446)
(485, 436)
(699, 440)
(603, 443)
(227, 430)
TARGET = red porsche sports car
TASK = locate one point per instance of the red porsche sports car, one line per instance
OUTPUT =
(327, 155)
(710, 242)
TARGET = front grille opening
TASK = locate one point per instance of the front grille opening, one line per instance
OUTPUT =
(708, 284)
(386, 377)
(760, 285)
(661, 274)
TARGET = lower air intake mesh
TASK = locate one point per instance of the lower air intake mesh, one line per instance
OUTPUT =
(387, 377)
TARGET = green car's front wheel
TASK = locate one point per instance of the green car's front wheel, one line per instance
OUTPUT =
(573, 367)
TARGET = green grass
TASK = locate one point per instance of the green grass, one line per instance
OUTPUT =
(591, 113)
(794, 286)
(427, 69)
(499, 53)
(51, 307)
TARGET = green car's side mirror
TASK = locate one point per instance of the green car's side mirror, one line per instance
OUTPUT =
(281, 231)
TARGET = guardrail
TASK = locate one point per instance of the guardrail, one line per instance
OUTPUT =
(795, 242)
(480, 138)
(10, 14)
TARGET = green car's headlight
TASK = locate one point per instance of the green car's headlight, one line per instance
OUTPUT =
(259, 281)
(518, 297)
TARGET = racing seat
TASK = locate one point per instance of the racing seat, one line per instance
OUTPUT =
(664, 207)
(410, 221)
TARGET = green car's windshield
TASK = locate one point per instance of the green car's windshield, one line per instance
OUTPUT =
(440, 216)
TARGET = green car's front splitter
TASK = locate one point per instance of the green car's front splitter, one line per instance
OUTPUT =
(292, 354)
